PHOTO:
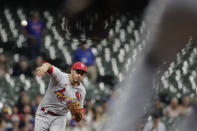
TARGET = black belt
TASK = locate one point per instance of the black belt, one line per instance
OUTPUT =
(49, 112)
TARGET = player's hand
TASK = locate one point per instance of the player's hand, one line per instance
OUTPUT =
(40, 71)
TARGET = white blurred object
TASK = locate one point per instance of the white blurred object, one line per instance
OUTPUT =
(107, 55)
(69, 116)
(111, 33)
(185, 67)
(136, 35)
(122, 35)
(192, 81)
(115, 67)
(27, 85)
(86, 81)
(120, 77)
(9, 80)
(24, 23)
(102, 86)
(67, 55)
(52, 52)
(21, 14)
(116, 45)
(1, 105)
(100, 67)
(41, 84)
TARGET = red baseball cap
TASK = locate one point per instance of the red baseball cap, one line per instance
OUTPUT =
(79, 66)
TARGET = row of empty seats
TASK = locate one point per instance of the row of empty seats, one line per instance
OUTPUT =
(180, 78)
(114, 54)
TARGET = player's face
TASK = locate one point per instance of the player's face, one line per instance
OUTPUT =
(77, 75)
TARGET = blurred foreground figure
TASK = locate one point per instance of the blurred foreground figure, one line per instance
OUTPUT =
(177, 23)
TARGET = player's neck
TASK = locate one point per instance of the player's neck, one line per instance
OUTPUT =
(72, 82)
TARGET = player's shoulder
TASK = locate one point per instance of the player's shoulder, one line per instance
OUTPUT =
(65, 75)
(56, 69)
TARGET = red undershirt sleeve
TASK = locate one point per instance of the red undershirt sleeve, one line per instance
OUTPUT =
(50, 70)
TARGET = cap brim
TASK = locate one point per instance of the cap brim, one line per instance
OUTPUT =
(79, 69)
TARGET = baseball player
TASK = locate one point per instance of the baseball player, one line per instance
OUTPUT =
(64, 93)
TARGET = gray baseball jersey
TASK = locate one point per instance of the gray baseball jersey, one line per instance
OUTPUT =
(60, 94)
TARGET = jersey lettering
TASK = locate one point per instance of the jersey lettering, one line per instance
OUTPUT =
(60, 95)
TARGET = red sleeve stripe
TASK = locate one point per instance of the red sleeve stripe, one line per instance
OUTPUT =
(50, 70)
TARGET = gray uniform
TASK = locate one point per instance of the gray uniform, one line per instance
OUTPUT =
(59, 95)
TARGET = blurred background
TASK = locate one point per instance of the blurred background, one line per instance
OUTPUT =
(108, 36)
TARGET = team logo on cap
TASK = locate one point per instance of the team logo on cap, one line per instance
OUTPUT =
(82, 66)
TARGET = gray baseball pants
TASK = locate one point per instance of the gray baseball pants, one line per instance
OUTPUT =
(47, 122)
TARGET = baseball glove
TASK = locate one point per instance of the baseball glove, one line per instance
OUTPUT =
(76, 112)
